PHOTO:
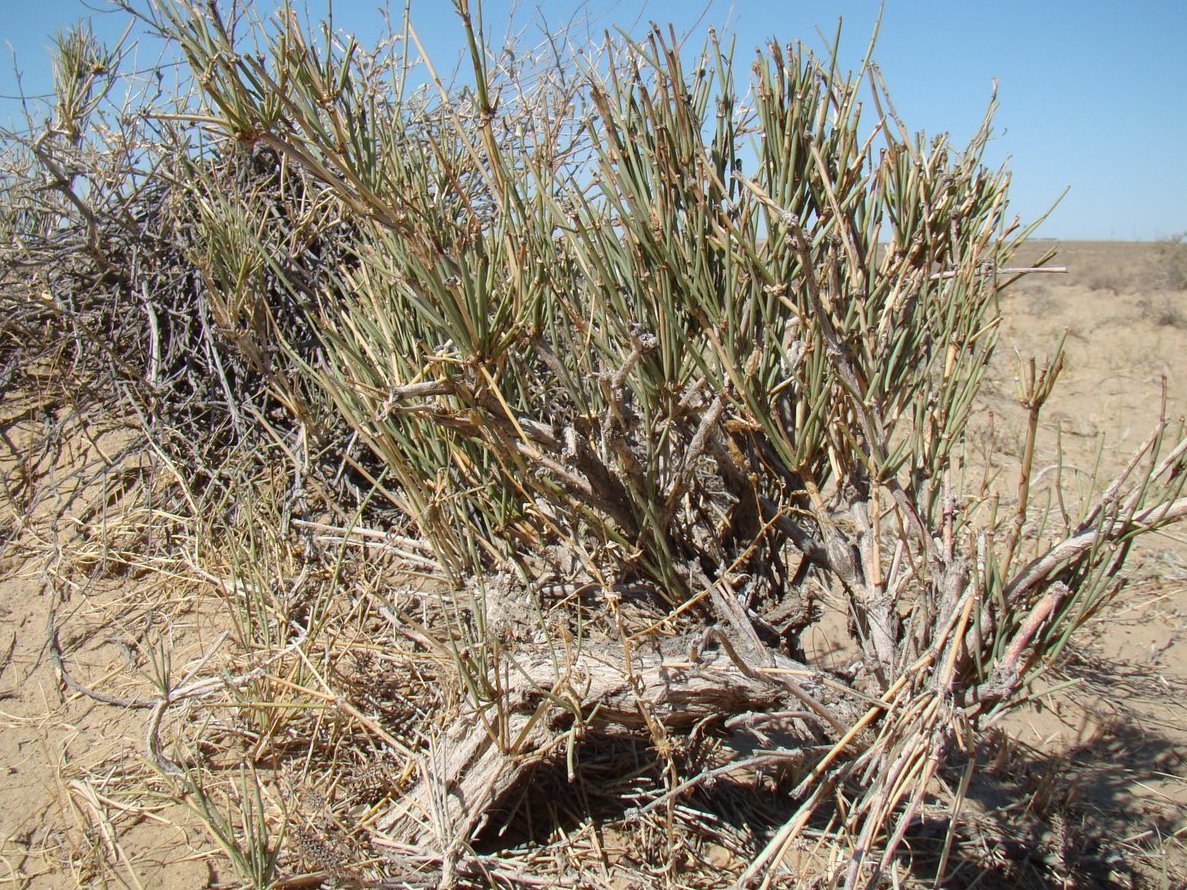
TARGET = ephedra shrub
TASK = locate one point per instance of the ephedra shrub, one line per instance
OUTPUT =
(659, 330)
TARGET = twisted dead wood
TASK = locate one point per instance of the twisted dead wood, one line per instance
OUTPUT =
(472, 765)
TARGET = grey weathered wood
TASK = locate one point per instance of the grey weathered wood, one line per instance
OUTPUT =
(473, 764)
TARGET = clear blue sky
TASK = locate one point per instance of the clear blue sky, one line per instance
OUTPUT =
(1093, 95)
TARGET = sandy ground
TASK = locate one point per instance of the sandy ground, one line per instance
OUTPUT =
(66, 757)
(1102, 763)
(1107, 757)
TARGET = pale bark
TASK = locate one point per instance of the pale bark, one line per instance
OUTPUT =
(472, 765)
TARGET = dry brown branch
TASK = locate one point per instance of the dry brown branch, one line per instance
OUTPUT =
(1041, 567)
